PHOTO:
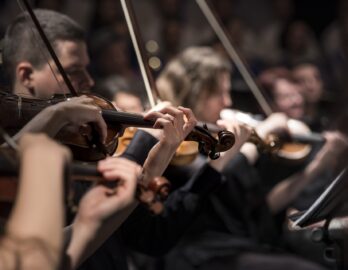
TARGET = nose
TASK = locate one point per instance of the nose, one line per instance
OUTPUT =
(298, 99)
(86, 82)
(227, 100)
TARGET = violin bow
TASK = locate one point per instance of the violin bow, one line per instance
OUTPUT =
(150, 85)
(220, 31)
(11, 143)
(65, 77)
(48, 46)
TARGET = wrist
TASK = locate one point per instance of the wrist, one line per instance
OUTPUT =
(158, 159)
(249, 150)
(38, 154)
(168, 147)
(82, 237)
(58, 113)
(313, 169)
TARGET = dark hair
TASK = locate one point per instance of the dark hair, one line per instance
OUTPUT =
(113, 85)
(23, 44)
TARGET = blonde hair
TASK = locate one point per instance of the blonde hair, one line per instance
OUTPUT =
(191, 76)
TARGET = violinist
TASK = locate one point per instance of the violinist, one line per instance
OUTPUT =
(237, 229)
(39, 244)
(31, 76)
(299, 93)
(141, 231)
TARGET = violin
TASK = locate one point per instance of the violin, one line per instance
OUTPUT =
(83, 145)
(293, 146)
(86, 145)
(151, 195)
(189, 149)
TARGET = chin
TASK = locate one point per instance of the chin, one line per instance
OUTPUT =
(297, 115)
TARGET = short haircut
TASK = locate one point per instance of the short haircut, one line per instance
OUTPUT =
(23, 44)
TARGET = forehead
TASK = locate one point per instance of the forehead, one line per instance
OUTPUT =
(283, 86)
(306, 70)
(224, 79)
(72, 53)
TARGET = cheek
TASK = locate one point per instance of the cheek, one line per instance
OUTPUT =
(210, 110)
(45, 85)
(283, 104)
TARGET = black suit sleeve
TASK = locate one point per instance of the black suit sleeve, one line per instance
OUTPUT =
(155, 235)
(139, 147)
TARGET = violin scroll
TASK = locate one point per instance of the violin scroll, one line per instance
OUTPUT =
(153, 194)
(210, 146)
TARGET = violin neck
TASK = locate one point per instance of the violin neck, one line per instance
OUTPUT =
(116, 118)
(313, 138)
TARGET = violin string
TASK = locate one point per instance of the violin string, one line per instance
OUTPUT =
(11, 143)
(7, 138)
(40, 47)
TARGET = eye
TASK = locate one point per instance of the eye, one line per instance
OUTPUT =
(73, 72)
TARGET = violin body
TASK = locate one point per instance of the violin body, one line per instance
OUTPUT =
(151, 194)
(294, 147)
(83, 142)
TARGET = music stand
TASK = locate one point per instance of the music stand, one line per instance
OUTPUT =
(329, 207)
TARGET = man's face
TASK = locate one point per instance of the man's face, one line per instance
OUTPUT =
(128, 102)
(74, 59)
(288, 99)
(309, 77)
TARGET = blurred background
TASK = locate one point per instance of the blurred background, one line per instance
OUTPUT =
(270, 35)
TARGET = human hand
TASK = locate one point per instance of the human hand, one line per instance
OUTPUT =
(102, 202)
(275, 123)
(241, 132)
(78, 111)
(334, 149)
(175, 124)
(156, 132)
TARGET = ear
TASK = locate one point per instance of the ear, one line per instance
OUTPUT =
(24, 74)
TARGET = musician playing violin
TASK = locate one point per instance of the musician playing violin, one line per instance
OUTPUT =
(238, 222)
(39, 205)
(31, 78)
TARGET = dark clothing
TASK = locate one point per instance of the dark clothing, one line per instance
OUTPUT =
(259, 261)
(149, 234)
(236, 223)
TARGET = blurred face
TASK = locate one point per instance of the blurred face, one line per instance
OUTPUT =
(128, 103)
(209, 107)
(310, 79)
(288, 99)
(41, 83)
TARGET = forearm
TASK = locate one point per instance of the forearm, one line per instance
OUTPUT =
(287, 190)
(158, 160)
(251, 153)
(37, 218)
(87, 238)
(48, 121)
(40, 190)
(27, 254)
